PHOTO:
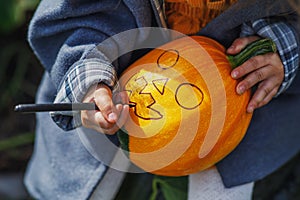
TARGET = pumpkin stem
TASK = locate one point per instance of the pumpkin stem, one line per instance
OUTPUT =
(258, 47)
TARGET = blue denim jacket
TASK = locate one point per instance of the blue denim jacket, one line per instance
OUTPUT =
(64, 32)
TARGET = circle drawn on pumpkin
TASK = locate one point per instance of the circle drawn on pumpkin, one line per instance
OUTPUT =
(193, 100)
(166, 53)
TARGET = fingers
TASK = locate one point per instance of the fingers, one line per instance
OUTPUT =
(110, 117)
(121, 97)
(240, 44)
(101, 125)
(103, 99)
(266, 71)
(95, 120)
(253, 71)
(262, 96)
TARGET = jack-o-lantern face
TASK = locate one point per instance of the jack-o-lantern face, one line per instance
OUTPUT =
(185, 116)
(147, 89)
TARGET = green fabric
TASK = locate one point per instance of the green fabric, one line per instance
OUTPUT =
(124, 140)
(172, 188)
(135, 187)
(145, 186)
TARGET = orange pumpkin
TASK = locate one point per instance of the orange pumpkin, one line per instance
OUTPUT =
(186, 115)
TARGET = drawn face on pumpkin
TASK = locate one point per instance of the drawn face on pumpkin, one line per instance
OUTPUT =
(178, 122)
(162, 94)
(145, 90)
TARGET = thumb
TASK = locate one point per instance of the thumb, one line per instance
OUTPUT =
(103, 100)
(240, 43)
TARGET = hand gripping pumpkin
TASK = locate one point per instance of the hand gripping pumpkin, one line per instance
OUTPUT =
(186, 114)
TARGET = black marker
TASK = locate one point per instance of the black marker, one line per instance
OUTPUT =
(57, 107)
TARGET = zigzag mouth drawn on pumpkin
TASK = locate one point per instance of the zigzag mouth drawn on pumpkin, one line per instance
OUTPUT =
(144, 101)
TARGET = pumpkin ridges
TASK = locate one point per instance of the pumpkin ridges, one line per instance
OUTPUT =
(140, 141)
(235, 131)
(189, 161)
(236, 103)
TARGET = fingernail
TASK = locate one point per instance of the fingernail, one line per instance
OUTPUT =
(119, 107)
(241, 89)
(234, 74)
(112, 117)
(231, 47)
(250, 109)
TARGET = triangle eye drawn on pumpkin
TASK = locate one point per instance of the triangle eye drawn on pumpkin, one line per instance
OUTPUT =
(160, 85)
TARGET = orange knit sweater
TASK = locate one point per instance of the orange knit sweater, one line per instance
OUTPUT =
(189, 16)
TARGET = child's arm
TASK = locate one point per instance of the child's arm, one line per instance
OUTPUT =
(67, 37)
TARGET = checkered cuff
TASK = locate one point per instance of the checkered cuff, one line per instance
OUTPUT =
(81, 76)
(284, 37)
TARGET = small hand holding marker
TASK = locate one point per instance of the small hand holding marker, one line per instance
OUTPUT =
(98, 111)
(114, 109)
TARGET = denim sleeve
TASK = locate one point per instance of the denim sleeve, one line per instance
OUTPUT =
(63, 32)
(67, 35)
(285, 39)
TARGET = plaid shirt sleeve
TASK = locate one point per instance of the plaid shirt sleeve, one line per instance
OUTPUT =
(77, 81)
(284, 37)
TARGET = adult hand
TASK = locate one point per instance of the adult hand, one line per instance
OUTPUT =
(110, 117)
(265, 70)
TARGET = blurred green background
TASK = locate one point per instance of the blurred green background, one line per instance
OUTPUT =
(20, 74)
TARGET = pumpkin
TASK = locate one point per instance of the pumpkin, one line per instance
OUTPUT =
(186, 115)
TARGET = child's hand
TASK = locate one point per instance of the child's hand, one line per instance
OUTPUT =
(111, 117)
(265, 70)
